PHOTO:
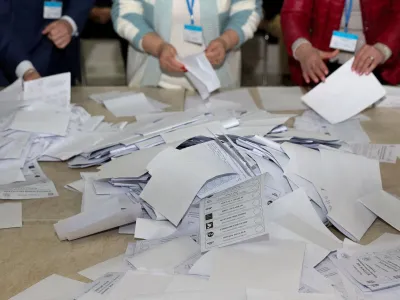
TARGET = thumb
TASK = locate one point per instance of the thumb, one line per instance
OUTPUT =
(328, 55)
(48, 28)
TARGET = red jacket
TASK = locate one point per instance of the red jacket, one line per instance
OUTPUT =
(316, 20)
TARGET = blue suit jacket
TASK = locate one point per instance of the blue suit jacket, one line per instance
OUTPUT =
(21, 25)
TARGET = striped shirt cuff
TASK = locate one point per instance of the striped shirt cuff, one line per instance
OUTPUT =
(23, 67)
(386, 51)
(297, 44)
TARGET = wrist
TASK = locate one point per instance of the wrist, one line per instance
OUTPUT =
(28, 72)
(224, 43)
(160, 48)
(302, 51)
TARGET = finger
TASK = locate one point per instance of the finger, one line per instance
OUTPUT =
(359, 55)
(63, 44)
(306, 77)
(363, 59)
(328, 55)
(367, 64)
(56, 34)
(312, 75)
(49, 27)
(59, 40)
(319, 71)
(371, 68)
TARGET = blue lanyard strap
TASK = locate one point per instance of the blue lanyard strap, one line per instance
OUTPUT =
(190, 6)
(349, 8)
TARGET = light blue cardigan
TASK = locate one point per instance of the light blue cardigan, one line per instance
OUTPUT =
(133, 19)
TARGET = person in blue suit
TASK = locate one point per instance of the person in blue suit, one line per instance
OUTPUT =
(40, 38)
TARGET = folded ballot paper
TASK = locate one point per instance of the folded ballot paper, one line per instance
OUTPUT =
(344, 94)
(201, 73)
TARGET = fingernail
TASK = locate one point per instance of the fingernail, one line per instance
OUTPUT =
(183, 69)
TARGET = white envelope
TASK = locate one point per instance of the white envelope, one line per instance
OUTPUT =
(344, 94)
(201, 73)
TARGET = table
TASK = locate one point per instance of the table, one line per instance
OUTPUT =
(33, 252)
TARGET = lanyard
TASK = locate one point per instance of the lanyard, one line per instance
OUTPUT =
(190, 6)
(349, 8)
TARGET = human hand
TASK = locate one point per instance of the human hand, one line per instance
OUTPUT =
(101, 15)
(167, 57)
(367, 59)
(59, 32)
(31, 74)
(216, 51)
(312, 62)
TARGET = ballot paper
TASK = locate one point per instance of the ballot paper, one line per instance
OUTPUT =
(173, 203)
(233, 216)
(166, 257)
(276, 266)
(383, 153)
(116, 264)
(52, 287)
(385, 206)
(215, 294)
(375, 269)
(201, 73)
(101, 97)
(106, 216)
(45, 122)
(344, 94)
(133, 104)
(101, 286)
(36, 185)
(10, 215)
(281, 98)
(54, 90)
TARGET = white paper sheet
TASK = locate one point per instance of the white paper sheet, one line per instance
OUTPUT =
(350, 177)
(174, 202)
(167, 256)
(240, 96)
(54, 90)
(115, 264)
(383, 153)
(344, 94)
(392, 98)
(215, 294)
(52, 287)
(201, 73)
(182, 134)
(131, 165)
(131, 105)
(10, 215)
(385, 206)
(148, 229)
(254, 294)
(46, 122)
(36, 185)
(76, 186)
(281, 98)
(106, 216)
(275, 266)
(233, 216)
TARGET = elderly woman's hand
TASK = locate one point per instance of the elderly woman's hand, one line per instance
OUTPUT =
(367, 59)
(216, 51)
(168, 62)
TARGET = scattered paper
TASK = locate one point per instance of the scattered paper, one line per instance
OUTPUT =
(116, 264)
(383, 153)
(344, 94)
(10, 215)
(281, 98)
(131, 105)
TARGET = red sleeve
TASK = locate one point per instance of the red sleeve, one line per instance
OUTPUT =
(296, 21)
(390, 34)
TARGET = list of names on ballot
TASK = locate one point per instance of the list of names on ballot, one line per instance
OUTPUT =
(233, 216)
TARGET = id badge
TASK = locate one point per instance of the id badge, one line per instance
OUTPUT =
(193, 34)
(52, 10)
(344, 41)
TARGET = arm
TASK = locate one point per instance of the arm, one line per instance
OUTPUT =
(129, 22)
(245, 15)
(296, 23)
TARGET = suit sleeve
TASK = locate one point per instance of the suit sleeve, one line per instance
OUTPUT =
(79, 11)
(390, 34)
(296, 21)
